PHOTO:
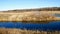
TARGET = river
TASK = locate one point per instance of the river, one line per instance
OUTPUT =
(54, 25)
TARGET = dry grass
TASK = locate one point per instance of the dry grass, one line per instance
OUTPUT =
(29, 16)
(19, 31)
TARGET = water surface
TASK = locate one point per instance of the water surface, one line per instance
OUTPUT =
(54, 25)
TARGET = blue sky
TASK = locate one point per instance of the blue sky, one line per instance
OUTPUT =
(27, 4)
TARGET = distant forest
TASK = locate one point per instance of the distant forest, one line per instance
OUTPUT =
(36, 9)
(42, 9)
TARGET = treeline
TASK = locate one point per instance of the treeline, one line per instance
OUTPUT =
(50, 9)
(41, 9)
(37, 9)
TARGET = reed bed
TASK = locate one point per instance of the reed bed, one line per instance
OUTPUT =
(19, 31)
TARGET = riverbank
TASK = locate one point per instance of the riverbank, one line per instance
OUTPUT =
(19, 31)
(29, 16)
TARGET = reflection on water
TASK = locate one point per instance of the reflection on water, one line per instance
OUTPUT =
(54, 25)
(57, 15)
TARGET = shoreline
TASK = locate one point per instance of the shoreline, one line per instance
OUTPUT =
(19, 31)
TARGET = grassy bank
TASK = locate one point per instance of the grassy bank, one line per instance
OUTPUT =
(19, 31)
(29, 16)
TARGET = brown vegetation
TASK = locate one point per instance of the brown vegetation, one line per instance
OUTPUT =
(43, 14)
(27, 16)
(19, 31)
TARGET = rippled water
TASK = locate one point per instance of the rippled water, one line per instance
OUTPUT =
(54, 25)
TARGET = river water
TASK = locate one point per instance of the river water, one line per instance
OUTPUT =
(54, 25)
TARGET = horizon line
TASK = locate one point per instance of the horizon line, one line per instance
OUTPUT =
(26, 8)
